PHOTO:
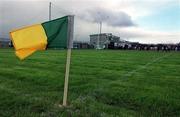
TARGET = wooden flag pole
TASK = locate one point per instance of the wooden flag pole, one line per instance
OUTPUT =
(68, 59)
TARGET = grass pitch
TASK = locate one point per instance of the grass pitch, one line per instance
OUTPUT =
(104, 83)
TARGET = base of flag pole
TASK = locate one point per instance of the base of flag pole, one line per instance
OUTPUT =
(62, 106)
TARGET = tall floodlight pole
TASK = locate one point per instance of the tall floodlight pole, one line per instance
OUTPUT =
(50, 4)
(99, 34)
(100, 31)
(100, 27)
(97, 45)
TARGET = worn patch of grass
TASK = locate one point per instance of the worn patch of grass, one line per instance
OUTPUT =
(102, 83)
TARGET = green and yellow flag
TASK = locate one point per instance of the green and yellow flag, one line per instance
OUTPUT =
(50, 34)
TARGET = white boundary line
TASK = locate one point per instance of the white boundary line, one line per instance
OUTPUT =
(145, 66)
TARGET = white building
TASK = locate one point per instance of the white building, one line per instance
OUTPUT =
(101, 41)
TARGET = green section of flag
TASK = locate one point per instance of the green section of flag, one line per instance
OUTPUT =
(56, 32)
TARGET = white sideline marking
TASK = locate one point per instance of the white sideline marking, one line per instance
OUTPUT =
(145, 66)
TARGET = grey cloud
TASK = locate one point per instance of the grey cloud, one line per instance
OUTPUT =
(18, 14)
(115, 19)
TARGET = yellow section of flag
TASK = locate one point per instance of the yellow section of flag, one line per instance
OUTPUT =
(28, 40)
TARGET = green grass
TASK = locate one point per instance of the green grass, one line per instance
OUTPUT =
(105, 83)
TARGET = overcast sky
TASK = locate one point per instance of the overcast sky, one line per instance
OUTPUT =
(146, 21)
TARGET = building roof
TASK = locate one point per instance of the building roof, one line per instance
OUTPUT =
(101, 34)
